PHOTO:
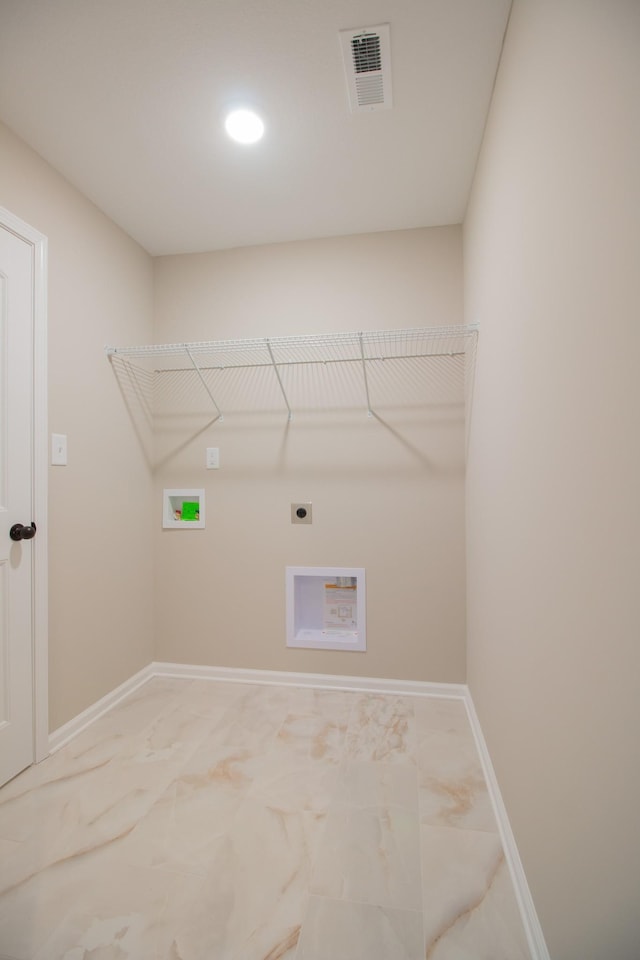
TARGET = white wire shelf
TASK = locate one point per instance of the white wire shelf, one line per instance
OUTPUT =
(363, 353)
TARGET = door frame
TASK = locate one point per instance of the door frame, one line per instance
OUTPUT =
(39, 481)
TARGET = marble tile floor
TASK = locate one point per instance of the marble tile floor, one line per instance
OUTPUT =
(204, 820)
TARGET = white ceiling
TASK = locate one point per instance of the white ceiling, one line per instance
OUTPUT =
(126, 98)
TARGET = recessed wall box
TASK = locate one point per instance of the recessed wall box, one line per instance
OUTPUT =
(326, 608)
(301, 513)
(183, 509)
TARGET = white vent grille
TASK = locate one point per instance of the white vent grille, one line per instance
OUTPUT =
(366, 53)
(367, 62)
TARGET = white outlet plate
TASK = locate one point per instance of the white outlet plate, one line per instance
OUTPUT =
(213, 458)
(58, 449)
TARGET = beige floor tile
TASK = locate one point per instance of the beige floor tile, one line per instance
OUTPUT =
(381, 728)
(365, 783)
(371, 855)
(210, 820)
(468, 901)
(341, 930)
(452, 787)
(440, 713)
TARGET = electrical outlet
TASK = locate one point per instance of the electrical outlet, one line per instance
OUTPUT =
(213, 458)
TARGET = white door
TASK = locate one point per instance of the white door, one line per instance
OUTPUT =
(16, 504)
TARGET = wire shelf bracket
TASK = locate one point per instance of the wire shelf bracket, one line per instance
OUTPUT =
(203, 382)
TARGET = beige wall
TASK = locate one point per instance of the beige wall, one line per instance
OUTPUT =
(387, 493)
(100, 291)
(552, 247)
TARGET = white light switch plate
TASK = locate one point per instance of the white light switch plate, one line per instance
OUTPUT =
(213, 458)
(58, 449)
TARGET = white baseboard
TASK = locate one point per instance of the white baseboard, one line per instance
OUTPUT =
(412, 688)
(533, 930)
(58, 738)
(324, 681)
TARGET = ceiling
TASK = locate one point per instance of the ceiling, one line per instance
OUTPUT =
(126, 98)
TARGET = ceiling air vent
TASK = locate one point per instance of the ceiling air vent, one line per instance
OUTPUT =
(367, 62)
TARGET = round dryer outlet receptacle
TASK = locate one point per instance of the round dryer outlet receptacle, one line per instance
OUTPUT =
(301, 513)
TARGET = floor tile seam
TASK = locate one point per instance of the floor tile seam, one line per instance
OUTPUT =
(402, 875)
(364, 903)
(469, 830)
(393, 759)
(424, 731)
(455, 826)
(365, 807)
(263, 792)
(348, 726)
(396, 768)
(172, 873)
(293, 758)
(301, 760)
(359, 903)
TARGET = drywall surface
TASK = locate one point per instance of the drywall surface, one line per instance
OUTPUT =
(552, 246)
(387, 491)
(100, 563)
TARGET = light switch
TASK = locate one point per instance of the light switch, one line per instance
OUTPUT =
(59, 449)
(213, 458)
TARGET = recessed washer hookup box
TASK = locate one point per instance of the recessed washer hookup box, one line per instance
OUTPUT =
(183, 509)
(326, 608)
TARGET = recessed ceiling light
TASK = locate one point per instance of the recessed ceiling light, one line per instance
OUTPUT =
(244, 126)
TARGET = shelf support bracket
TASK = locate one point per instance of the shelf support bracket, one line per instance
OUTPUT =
(203, 382)
(364, 374)
(277, 373)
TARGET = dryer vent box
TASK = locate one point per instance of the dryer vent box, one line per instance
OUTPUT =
(326, 608)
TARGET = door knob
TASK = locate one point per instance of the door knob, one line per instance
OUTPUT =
(18, 532)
